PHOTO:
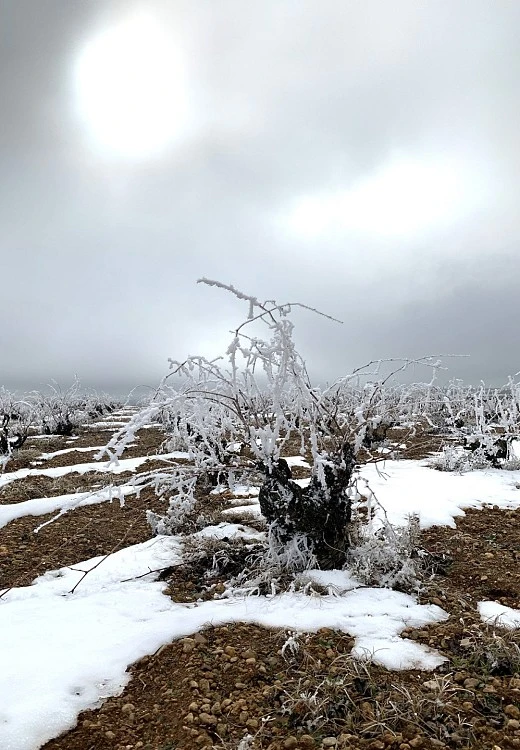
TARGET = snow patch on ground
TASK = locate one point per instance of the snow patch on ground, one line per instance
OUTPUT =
(238, 490)
(51, 437)
(63, 503)
(229, 531)
(497, 614)
(63, 652)
(243, 490)
(297, 461)
(437, 497)
(249, 510)
(243, 500)
(63, 451)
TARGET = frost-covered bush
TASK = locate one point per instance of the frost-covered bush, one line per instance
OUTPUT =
(258, 396)
(238, 415)
(484, 421)
(491, 423)
(387, 556)
(97, 405)
(456, 459)
(490, 449)
(16, 418)
(60, 412)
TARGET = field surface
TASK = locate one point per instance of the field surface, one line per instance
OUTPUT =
(113, 638)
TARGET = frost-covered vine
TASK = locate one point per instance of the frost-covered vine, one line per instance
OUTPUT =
(237, 416)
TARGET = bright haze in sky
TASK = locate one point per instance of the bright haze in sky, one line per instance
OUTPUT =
(130, 90)
(359, 157)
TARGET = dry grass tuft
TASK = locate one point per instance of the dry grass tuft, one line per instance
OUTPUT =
(490, 651)
(348, 699)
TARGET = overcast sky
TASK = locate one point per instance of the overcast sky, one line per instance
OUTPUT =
(360, 156)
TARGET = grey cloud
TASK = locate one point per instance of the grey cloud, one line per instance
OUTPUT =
(100, 256)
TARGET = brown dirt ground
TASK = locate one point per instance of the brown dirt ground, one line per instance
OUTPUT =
(77, 535)
(42, 486)
(148, 442)
(211, 690)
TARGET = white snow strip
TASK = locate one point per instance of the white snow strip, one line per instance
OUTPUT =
(62, 652)
(63, 451)
(296, 461)
(50, 437)
(437, 497)
(241, 499)
(251, 510)
(115, 417)
(499, 615)
(42, 505)
(244, 490)
(107, 427)
(228, 531)
(115, 467)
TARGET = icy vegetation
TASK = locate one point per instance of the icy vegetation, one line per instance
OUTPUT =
(335, 512)
(58, 412)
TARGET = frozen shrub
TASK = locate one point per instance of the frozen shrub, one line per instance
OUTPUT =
(484, 420)
(61, 412)
(254, 402)
(377, 432)
(237, 414)
(388, 556)
(457, 460)
(16, 418)
(490, 448)
(97, 405)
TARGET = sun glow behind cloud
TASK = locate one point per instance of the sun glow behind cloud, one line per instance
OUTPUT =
(402, 199)
(130, 88)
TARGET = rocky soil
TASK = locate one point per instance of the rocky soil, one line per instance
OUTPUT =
(240, 687)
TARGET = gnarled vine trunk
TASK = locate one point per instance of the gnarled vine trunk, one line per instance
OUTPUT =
(319, 512)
